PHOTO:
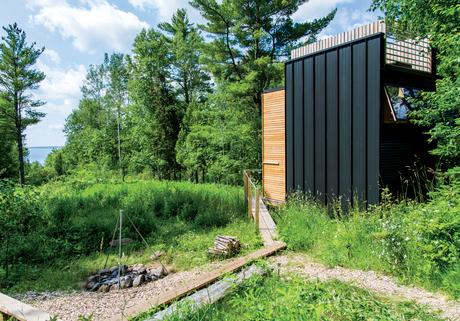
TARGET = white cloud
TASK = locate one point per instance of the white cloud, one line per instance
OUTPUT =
(93, 26)
(61, 92)
(142, 4)
(61, 87)
(347, 19)
(166, 8)
(58, 127)
(52, 55)
(314, 9)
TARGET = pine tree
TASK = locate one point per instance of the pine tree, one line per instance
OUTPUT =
(17, 79)
(186, 46)
(250, 37)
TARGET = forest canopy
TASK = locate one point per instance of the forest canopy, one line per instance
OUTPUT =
(186, 103)
(180, 107)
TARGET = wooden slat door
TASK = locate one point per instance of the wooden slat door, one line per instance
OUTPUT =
(273, 146)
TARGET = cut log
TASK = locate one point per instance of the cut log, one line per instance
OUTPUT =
(225, 246)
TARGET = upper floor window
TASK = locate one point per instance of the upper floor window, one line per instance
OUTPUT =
(397, 100)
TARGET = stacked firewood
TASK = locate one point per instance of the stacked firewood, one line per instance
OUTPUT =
(225, 246)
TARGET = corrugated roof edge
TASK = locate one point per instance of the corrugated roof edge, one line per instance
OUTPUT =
(269, 90)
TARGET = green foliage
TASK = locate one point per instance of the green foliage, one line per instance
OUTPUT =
(22, 224)
(153, 94)
(72, 222)
(174, 125)
(419, 243)
(185, 46)
(274, 298)
(221, 139)
(36, 174)
(92, 129)
(17, 79)
(440, 22)
(248, 40)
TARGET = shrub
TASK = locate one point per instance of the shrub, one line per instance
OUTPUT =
(418, 242)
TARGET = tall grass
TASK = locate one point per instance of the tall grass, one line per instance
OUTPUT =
(67, 225)
(275, 298)
(417, 242)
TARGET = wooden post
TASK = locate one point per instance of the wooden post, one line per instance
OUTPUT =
(245, 182)
(249, 198)
(119, 250)
(256, 217)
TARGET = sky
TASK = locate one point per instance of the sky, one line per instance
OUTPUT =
(77, 33)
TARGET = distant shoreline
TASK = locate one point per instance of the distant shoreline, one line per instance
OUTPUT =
(44, 147)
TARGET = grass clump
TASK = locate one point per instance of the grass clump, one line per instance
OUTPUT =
(417, 242)
(293, 298)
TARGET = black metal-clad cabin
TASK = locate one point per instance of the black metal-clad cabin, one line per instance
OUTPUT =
(342, 134)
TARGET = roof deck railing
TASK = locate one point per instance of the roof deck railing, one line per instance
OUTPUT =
(403, 51)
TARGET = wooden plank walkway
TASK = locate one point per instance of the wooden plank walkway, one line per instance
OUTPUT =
(179, 292)
(211, 294)
(20, 311)
(267, 226)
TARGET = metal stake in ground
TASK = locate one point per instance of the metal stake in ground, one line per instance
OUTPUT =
(119, 250)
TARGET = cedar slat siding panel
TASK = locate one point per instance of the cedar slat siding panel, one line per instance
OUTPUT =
(309, 127)
(345, 115)
(359, 121)
(320, 127)
(273, 145)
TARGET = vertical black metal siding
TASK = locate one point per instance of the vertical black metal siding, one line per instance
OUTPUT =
(359, 120)
(320, 126)
(298, 125)
(374, 61)
(332, 128)
(335, 130)
(289, 128)
(345, 124)
(309, 126)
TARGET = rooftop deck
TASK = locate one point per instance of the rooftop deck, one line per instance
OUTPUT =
(405, 52)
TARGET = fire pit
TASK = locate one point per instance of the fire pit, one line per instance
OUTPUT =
(130, 276)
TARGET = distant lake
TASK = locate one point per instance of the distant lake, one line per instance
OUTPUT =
(39, 154)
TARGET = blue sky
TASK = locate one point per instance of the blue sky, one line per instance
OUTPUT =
(77, 33)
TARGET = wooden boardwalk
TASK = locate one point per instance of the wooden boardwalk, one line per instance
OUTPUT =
(10, 307)
(267, 226)
(194, 285)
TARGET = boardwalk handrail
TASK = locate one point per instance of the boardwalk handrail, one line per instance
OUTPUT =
(257, 209)
(252, 192)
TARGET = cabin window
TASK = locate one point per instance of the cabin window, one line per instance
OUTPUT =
(397, 102)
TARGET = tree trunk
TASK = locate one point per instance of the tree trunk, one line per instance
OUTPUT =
(19, 140)
(21, 158)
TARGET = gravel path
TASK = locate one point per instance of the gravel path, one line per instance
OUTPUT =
(383, 285)
(69, 306)
(103, 306)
